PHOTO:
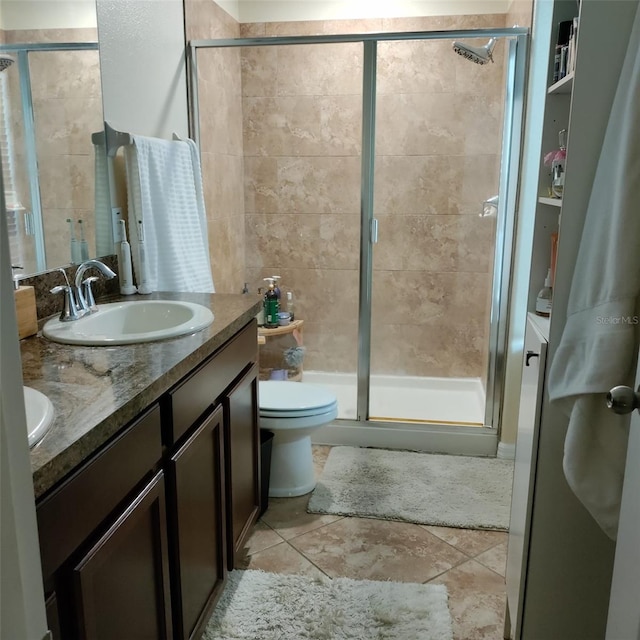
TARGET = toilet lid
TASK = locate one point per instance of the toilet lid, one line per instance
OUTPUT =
(293, 399)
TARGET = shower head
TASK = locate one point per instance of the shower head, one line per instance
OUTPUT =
(479, 55)
(5, 61)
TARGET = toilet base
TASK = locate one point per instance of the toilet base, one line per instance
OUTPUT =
(292, 470)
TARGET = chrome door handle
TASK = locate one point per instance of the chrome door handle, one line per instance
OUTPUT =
(374, 231)
(623, 400)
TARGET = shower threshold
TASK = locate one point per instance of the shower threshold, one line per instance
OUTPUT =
(409, 399)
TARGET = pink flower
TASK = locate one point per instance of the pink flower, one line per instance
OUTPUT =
(558, 154)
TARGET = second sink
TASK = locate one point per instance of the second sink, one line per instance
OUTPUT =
(129, 322)
(39, 411)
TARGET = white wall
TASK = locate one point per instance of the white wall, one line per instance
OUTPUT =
(289, 10)
(232, 7)
(47, 14)
(142, 51)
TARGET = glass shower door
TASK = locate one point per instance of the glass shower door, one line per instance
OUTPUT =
(294, 144)
(20, 224)
(437, 157)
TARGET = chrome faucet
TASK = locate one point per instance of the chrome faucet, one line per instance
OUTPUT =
(70, 309)
(84, 294)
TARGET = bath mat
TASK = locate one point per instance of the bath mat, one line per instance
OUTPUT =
(450, 491)
(257, 605)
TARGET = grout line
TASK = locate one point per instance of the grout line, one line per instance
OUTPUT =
(310, 561)
(304, 533)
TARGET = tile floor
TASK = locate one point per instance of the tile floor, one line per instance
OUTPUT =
(470, 563)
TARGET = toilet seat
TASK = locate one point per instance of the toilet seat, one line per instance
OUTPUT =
(284, 399)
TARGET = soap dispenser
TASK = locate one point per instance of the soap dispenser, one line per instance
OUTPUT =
(544, 298)
(276, 288)
(271, 305)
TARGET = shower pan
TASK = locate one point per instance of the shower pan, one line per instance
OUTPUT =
(392, 143)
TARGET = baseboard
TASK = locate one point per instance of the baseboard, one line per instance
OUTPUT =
(457, 441)
(506, 451)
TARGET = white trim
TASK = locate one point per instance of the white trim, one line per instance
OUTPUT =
(232, 7)
(506, 451)
(48, 14)
(474, 441)
(292, 10)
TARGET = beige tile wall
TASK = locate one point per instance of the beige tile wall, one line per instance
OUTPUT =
(67, 107)
(302, 139)
(438, 142)
(221, 144)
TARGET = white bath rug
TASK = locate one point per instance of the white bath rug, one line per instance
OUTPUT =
(268, 606)
(450, 491)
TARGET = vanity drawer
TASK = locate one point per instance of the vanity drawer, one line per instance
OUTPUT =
(203, 388)
(68, 516)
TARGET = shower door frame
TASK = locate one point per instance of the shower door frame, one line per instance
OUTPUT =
(398, 434)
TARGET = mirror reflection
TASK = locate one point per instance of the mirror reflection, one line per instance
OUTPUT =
(50, 104)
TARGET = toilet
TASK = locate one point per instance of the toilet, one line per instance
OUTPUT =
(292, 411)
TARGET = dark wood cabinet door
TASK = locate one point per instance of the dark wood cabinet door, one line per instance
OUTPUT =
(53, 616)
(242, 462)
(196, 503)
(122, 583)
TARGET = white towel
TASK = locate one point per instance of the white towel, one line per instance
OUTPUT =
(599, 344)
(165, 192)
(102, 200)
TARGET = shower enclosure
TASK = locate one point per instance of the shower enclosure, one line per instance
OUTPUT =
(365, 163)
(50, 101)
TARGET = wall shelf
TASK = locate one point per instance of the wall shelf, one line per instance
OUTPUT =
(564, 85)
(552, 202)
(280, 331)
(541, 323)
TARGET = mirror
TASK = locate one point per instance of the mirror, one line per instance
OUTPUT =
(50, 104)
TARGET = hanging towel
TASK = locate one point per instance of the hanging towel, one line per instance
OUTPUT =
(102, 201)
(165, 192)
(599, 344)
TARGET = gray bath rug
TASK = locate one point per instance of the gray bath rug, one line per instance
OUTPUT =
(268, 606)
(450, 491)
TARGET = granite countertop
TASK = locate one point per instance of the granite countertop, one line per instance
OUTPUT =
(96, 391)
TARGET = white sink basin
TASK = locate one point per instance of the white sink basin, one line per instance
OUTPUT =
(129, 322)
(39, 414)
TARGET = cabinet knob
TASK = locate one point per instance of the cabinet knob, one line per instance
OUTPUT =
(623, 400)
(530, 354)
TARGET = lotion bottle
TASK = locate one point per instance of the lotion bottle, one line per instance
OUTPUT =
(290, 305)
(543, 301)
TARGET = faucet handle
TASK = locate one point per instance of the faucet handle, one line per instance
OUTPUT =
(70, 308)
(87, 293)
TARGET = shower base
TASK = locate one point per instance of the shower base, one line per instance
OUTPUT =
(413, 399)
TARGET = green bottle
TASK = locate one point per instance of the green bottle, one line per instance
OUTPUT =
(271, 305)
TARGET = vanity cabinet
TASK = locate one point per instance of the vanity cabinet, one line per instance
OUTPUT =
(242, 452)
(137, 542)
(531, 396)
(197, 514)
(121, 584)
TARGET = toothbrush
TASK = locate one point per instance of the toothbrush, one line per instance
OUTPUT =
(126, 276)
(74, 246)
(84, 247)
(143, 282)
